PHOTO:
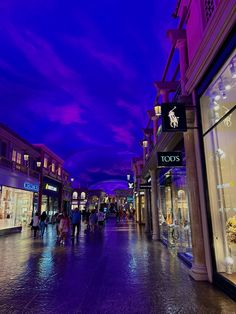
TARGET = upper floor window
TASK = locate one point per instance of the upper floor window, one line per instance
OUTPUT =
(75, 195)
(59, 171)
(209, 6)
(45, 162)
(83, 195)
(3, 149)
(53, 167)
(13, 158)
(18, 158)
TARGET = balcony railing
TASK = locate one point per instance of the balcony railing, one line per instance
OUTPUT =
(13, 166)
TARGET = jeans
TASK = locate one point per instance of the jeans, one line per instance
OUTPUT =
(74, 226)
(42, 227)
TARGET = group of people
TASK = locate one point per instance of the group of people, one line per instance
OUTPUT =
(64, 223)
(39, 222)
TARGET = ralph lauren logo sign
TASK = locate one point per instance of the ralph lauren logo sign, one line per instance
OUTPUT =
(170, 159)
(173, 117)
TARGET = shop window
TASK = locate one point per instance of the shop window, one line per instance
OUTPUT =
(45, 162)
(219, 125)
(75, 195)
(18, 158)
(14, 155)
(82, 195)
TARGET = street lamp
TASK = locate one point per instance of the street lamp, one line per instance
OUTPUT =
(72, 179)
(145, 143)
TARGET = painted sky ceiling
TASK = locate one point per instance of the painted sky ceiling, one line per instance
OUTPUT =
(78, 76)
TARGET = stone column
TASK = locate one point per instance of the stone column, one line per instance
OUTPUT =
(199, 269)
(155, 215)
(146, 220)
(165, 95)
(181, 44)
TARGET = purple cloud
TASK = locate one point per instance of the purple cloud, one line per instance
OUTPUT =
(123, 134)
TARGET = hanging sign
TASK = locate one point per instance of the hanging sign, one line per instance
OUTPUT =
(173, 117)
(131, 185)
(169, 159)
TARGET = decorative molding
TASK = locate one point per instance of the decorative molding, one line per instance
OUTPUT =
(215, 33)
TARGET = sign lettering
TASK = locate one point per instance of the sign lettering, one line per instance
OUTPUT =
(31, 187)
(170, 159)
(51, 187)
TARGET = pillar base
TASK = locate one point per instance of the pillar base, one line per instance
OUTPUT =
(199, 272)
(155, 237)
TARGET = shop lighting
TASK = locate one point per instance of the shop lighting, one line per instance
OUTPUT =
(38, 163)
(232, 70)
(157, 110)
(128, 177)
(216, 96)
(227, 85)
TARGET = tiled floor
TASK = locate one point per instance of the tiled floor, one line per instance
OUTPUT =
(115, 271)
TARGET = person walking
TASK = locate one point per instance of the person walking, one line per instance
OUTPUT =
(64, 227)
(76, 222)
(93, 220)
(101, 219)
(35, 224)
(42, 224)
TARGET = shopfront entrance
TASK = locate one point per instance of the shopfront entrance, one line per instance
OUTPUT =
(51, 198)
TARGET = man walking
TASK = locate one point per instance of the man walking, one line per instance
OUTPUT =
(76, 222)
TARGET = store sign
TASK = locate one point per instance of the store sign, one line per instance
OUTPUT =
(50, 187)
(31, 187)
(144, 186)
(170, 159)
(173, 117)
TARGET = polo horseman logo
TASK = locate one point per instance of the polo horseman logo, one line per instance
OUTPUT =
(131, 185)
(174, 121)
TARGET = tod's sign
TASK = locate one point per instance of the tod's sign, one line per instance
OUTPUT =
(170, 159)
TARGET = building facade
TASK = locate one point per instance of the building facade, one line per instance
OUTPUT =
(19, 181)
(193, 201)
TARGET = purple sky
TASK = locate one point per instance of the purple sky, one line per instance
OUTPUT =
(78, 77)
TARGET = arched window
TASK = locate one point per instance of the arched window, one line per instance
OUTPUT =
(82, 195)
(75, 195)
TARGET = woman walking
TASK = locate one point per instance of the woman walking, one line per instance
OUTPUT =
(64, 227)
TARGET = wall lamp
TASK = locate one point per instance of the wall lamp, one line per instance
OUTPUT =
(26, 157)
(145, 143)
(157, 110)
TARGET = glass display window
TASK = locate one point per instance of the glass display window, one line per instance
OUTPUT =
(173, 210)
(219, 136)
(16, 207)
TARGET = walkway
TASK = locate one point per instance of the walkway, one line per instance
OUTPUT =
(117, 271)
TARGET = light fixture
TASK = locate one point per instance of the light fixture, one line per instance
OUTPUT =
(216, 95)
(232, 70)
(228, 86)
(38, 163)
(157, 110)
(72, 179)
(128, 177)
(145, 143)
(26, 157)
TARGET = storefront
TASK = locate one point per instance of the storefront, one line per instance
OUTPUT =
(18, 200)
(217, 102)
(175, 230)
(51, 197)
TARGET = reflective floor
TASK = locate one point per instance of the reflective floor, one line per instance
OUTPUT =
(114, 271)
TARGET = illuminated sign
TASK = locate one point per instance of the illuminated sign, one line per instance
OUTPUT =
(50, 187)
(144, 186)
(170, 159)
(131, 185)
(31, 187)
(173, 117)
